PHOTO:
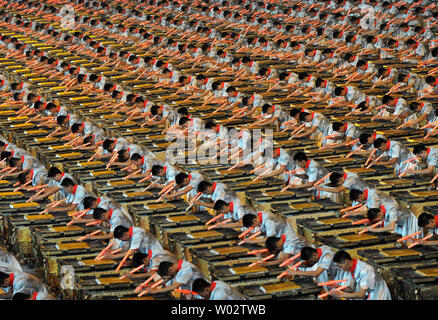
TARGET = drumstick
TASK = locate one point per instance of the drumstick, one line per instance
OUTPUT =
(170, 185)
(329, 283)
(214, 219)
(360, 221)
(337, 289)
(296, 265)
(409, 236)
(249, 238)
(374, 161)
(133, 271)
(257, 251)
(141, 286)
(147, 178)
(352, 152)
(371, 226)
(348, 213)
(371, 155)
(88, 235)
(132, 174)
(415, 243)
(123, 261)
(105, 250)
(289, 260)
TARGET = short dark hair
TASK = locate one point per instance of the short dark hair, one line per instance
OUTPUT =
(265, 107)
(137, 259)
(156, 169)
(386, 98)
(303, 116)
(293, 112)
(341, 256)
(337, 125)
(339, 90)
(354, 194)
(119, 231)
(203, 185)
(183, 120)
(5, 154)
(88, 201)
(334, 177)
(107, 143)
(248, 219)
(135, 157)
(424, 219)
(75, 127)
(21, 296)
(163, 268)
(67, 182)
(13, 162)
(200, 285)
(363, 138)
(307, 252)
(60, 120)
(378, 142)
(179, 178)
(413, 106)
(22, 177)
(3, 276)
(430, 79)
(98, 213)
(372, 214)
(271, 244)
(419, 148)
(300, 156)
(220, 205)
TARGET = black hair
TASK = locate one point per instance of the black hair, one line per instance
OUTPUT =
(53, 171)
(300, 156)
(335, 177)
(341, 256)
(338, 91)
(21, 296)
(378, 142)
(75, 127)
(135, 157)
(372, 214)
(363, 138)
(119, 231)
(307, 252)
(200, 285)
(179, 178)
(424, 219)
(355, 194)
(419, 148)
(156, 169)
(88, 201)
(220, 205)
(67, 182)
(271, 244)
(203, 185)
(248, 219)
(22, 177)
(163, 268)
(137, 258)
(107, 143)
(386, 99)
(98, 213)
(60, 120)
(337, 125)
